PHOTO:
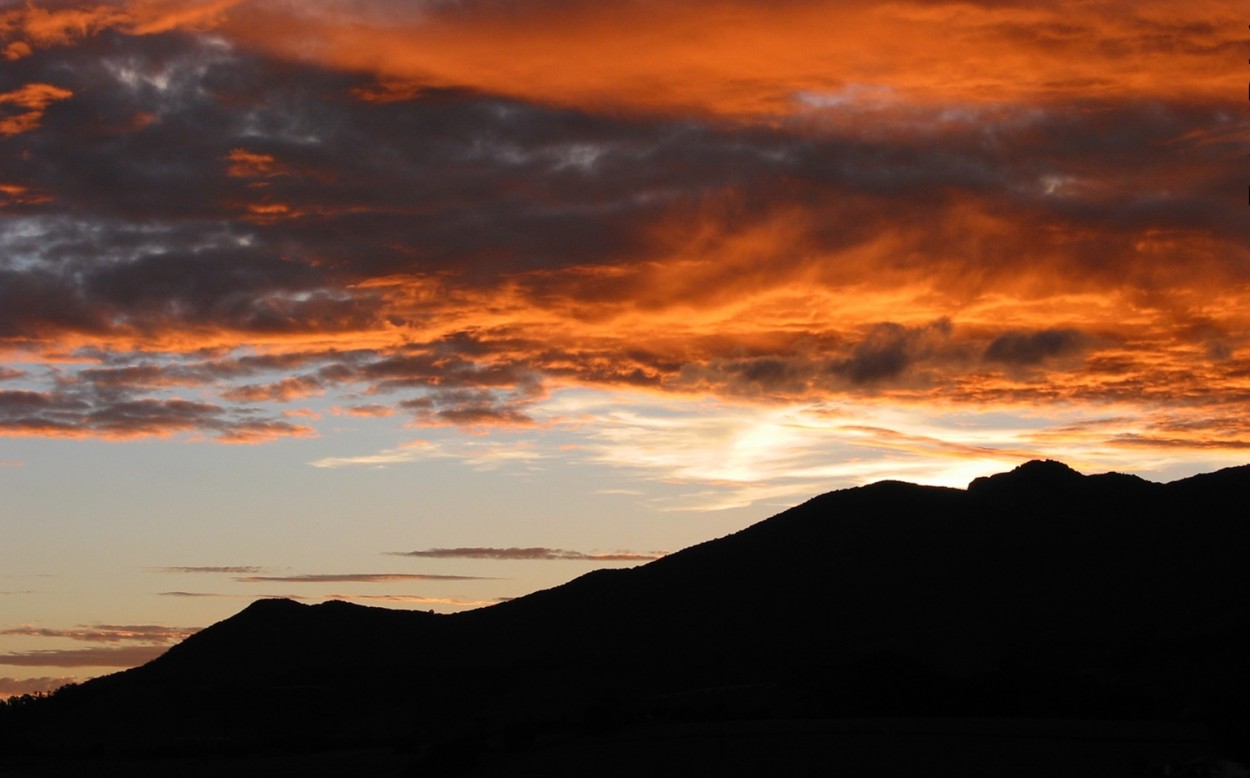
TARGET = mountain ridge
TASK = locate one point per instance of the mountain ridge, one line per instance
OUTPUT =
(1039, 592)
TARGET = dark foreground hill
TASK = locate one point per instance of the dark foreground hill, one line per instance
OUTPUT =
(1038, 595)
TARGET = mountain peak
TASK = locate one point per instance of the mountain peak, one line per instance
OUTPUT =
(272, 604)
(1038, 475)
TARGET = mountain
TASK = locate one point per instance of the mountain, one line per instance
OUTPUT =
(1038, 594)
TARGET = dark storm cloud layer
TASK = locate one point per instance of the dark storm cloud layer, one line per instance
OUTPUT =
(179, 197)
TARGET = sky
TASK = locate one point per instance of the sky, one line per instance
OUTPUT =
(434, 303)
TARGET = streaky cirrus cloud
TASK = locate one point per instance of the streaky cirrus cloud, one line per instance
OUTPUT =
(222, 595)
(355, 578)
(236, 569)
(16, 687)
(534, 553)
(127, 656)
(108, 633)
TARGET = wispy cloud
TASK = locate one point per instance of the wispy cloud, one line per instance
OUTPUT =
(238, 569)
(108, 633)
(128, 656)
(225, 596)
(355, 578)
(14, 687)
(534, 553)
(476, 453)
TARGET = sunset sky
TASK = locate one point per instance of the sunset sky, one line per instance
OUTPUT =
(431, 303)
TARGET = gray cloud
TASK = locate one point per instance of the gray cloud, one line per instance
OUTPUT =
(1031, 348)
(239, 570)
(128, 656)
(77, 411)
(108, 633)
(534, 553)
(222, 595)
(140, 225)
(888, 350)
(355, 578)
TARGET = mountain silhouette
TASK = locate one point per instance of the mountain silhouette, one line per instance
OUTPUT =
(1038, 594)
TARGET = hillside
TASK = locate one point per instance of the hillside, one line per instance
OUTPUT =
(1034, 594)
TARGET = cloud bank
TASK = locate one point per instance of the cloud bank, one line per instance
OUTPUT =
(403, 214)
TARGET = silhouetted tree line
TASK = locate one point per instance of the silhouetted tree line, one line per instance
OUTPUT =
(25, 710)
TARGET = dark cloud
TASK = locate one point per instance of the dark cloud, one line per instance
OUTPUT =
(142, 376)
(76, 413)
(1031, 348)
(129, 656)
(237, 570)
(354, 578)
(108, 633)
(888, 350)
(476, 220)
(534, 553)
(234, 596)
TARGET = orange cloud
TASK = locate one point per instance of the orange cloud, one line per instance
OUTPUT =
(245, 164)
(32, 99)
(43, 26)
(56, 26)
(743, 58)
(147, 17)
(452, 212)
